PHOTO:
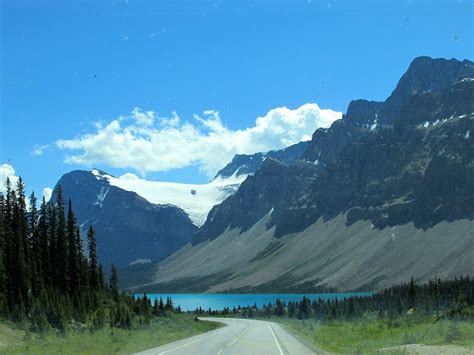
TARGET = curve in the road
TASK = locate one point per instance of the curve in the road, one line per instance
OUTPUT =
(239, 336)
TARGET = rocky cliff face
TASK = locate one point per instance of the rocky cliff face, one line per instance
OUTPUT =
(419, 169)
(405, 165)
(129, 228)
(424, 75)
(244, 164)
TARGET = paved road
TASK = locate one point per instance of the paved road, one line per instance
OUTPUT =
(239, 336)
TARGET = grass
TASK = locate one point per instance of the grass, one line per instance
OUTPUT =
(82, 341)
(368, 335)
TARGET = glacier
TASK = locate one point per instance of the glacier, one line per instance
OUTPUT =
(196, 200)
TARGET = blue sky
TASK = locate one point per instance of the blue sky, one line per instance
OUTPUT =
(66, 65)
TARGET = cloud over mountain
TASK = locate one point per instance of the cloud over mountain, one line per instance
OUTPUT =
(8, 171)
(148, 143)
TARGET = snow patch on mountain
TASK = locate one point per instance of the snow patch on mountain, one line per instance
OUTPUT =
(140, 262)
(195, 199)
(101, 196)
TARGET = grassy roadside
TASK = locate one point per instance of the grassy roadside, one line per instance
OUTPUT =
(369, 335)
(81, 341)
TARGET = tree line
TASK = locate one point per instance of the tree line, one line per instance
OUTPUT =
(46, 279)
(444, 299)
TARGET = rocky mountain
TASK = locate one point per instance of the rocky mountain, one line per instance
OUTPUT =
(129, 228)
(140, 221)
(244, 164)
(384, 194)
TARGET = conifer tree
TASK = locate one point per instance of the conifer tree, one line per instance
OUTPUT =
(412, 294)
(53, 244)
(34, 244)
(279, 308)
(73, 253)
(18, 260)
(3, 273)
(44, 245)
(83, 271)
(161, 305)
(61, 256)
(93, 270)
(8, 202)
(113, 282)
(101, 277)
(22, 217)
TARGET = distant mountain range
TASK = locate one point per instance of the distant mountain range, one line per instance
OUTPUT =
(140, 221)
(383, 195)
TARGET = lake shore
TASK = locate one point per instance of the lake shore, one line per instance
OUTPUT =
(218, 301)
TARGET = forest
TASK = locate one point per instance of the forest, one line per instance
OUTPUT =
(49, 279)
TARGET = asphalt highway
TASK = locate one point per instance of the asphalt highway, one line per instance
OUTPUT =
(239, 336)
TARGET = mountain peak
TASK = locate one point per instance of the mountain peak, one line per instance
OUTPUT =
(424, 75)
(248, 164)
(100, 173)
(363, 112)
(241, 164)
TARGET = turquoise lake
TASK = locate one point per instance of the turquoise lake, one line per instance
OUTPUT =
(189, 302)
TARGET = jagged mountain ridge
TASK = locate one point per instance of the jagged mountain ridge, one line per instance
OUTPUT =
(357, 167)
(245, 164)
(406, 163)
(139, 221)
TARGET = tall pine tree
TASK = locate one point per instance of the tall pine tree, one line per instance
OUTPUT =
(93, 268)
(61, 257)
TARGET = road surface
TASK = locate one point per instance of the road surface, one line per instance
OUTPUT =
(239, 336)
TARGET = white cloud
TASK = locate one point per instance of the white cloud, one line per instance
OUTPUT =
(146, 144)
(47, 192)
(7, 171)
(39, 149)
(144, 118)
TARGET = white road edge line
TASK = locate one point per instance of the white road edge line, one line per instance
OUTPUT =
(191, 342)
(276, 340)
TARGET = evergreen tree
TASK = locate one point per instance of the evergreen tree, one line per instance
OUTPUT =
(74, 255)
(53, 245)
(161, 305)
(101, 278)
(44, 245)
(93, 270)
(412, 294)
(34, 244)
(61, 257)
(304, 311)
(8, 207)
(169, 304)
(22, 218)
(18, 264)
(3, 272)
(279, 308)
(113, 282)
